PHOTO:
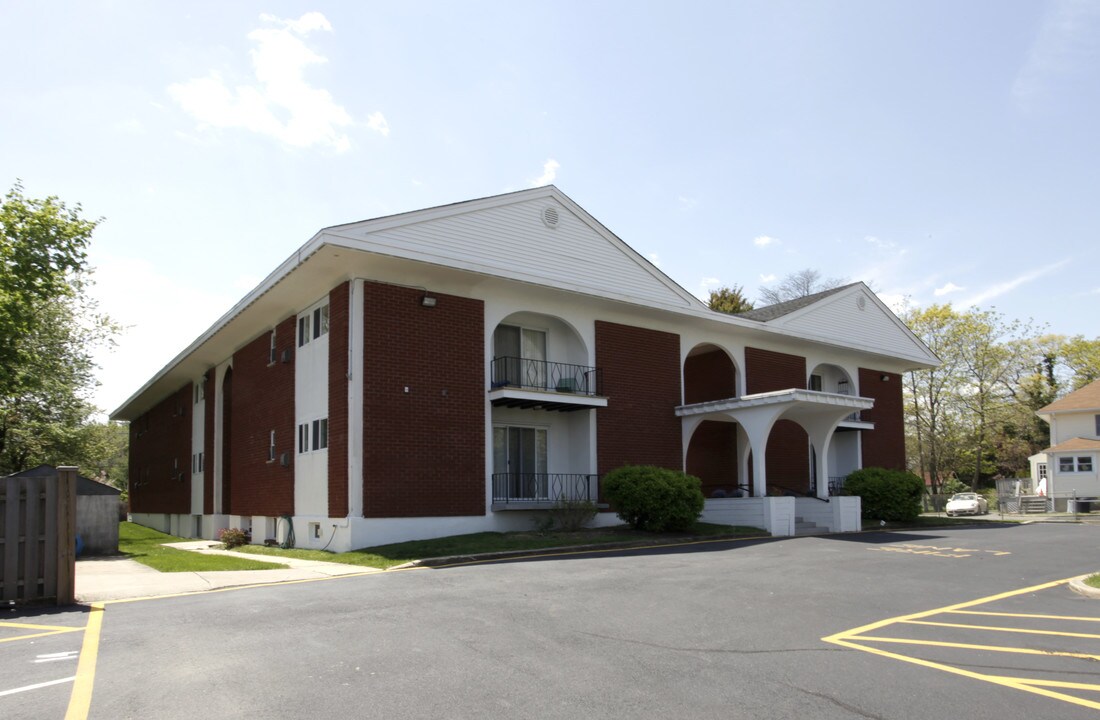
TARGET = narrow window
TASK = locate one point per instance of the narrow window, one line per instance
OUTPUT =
(271, 448)
(303, 438)
(1042, 471)
(320, 321)
(200, 462)
(1098, 426)
(303, 330)
(271, 352)
(320, 434)
(815, 382)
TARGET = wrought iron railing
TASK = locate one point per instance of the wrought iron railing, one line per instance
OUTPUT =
(545, 375)
(836, 485)
(543, 487)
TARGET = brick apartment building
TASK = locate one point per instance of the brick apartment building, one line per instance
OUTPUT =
(454, 369)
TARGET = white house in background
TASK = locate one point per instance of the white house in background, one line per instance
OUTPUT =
(1069, 465)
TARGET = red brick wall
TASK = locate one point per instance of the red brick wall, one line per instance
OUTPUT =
(641, 377)
(787, 460)
(712, 456)
(708, 376)
(208, 446)
(159, 438)
(767, 371)
(262, 401)
(423, 450)
(338, 310)
(885, 445)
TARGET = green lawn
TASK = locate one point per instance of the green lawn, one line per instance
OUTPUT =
(144, 545)
(386, 556)
(1093, 580)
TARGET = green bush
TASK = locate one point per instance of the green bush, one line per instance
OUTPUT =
(654, 499)
(952, 486)
(232, 537)
(886, 494)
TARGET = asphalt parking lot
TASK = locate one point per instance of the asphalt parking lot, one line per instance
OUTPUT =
(914, 625)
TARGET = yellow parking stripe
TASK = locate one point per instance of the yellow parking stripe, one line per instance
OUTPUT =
(41, 634)
(80, 701)
(1006, 682)
(968, 646)
(1056, 683)
(1001, 629)
(1023, 615)
(29, 626)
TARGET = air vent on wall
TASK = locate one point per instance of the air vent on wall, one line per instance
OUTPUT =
(550, 217)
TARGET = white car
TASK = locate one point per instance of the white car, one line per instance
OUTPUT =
(967, 504)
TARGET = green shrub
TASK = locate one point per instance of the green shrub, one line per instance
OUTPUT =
(886, 494)
(654, 499)
(951, 486)
(232, 537)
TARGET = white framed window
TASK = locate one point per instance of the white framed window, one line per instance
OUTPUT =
(1042, 468)
(313, 436)
(271, 351)
(271, 448)
(303, 330)
(320, 321)
(1081, 463)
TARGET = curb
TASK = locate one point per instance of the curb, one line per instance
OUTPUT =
(1078, 585)
(571, 549)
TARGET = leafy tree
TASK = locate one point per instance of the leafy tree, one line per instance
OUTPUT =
(798, 284)
(729, 300)
(1082, 357)
(49, 327)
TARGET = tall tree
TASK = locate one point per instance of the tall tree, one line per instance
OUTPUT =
(49, 328)
(798, 284)
(1082, 357)
(729, 300)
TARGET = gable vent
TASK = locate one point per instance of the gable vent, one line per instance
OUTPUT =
(550, 217)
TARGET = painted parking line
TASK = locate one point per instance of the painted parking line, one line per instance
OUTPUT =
(44, 630)
(36, 686)
(944, 551)
(862, 639)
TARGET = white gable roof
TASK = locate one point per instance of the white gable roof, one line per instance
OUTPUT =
(855, 317)
(506, 236)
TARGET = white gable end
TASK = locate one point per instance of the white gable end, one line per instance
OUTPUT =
(856, 318)
(512, 240)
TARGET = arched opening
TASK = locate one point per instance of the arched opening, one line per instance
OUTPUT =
(831, 379)
(227, 443)
(788, 460)
(540, 352)
(712, 457)
(709, 374)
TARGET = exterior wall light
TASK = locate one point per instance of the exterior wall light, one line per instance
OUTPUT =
(427, 301)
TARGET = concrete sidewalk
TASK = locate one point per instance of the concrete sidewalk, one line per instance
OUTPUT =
(119, 578)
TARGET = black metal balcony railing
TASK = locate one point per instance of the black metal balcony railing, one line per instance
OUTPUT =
(545, 375)
(836, 485)
(542, 487)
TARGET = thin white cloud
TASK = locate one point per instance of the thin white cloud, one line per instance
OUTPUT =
(947, 289)
(1065, 42)
(279, 103)
(654, 258)
(705, 286)
(764, 241)
(130, 126)
(549, 173)
(770, 277)
(1005, 287)
(377, 121)
(880, 243)
(687, 203)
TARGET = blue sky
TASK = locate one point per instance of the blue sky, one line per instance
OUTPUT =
(939, 151)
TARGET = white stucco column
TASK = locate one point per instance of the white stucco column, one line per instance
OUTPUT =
(757, 423)
(355, 400)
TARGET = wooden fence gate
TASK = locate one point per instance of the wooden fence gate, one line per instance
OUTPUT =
(38, 538)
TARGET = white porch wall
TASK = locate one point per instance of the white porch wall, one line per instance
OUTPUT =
(844, 456)
(310, 403)
(198, 434)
